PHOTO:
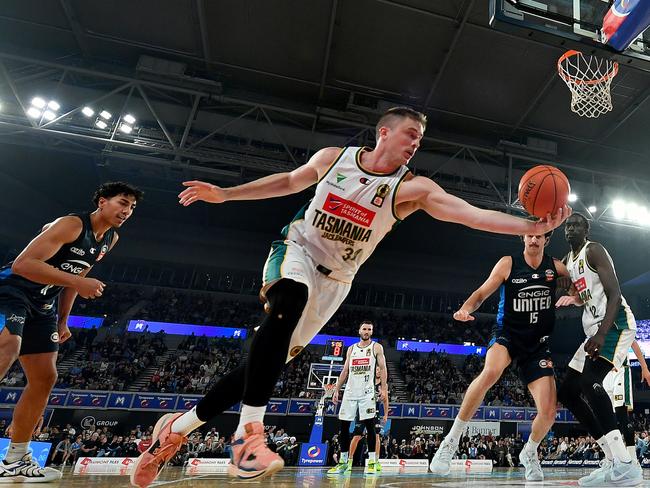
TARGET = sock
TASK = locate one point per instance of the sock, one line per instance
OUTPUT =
(187, 422)
(249, 414)
(531, 446)
(371, 457)
(16, 451)
(344, 457)
(616, 444)
(631, 450)
(453, 437)
(602, 442)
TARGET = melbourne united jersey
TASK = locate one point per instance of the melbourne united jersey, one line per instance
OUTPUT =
(590, 289)
(526, 309)
(361, 377)
(351, 212)
(73, 258)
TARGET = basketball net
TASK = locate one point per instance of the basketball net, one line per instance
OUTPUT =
(589, 78)
(329, 391)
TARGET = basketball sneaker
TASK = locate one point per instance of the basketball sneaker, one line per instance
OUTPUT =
(251, 458)
(378, 467)
(441, 462)
(604, 465)
(341, 467)
(165, 444)
(618, 474)
(530, 461)
(26, 470)
(371, 468)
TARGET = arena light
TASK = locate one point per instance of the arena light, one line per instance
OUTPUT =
(573, 197)
(129, 119)
(101, 124)
(105, 115)
(34, 113)
(53, 105)
(49, 115)
(126, 128)
(592, 208)
(87, 111)
(618, 208)
(38, 102)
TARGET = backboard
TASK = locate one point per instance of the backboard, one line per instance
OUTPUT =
(573, 24)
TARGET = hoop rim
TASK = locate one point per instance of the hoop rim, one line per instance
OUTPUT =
(570, 79)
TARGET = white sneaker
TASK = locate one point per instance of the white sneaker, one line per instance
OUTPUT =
(531, 463)
(441, 462)
(619, 474)
(605, 465)
(26, 470)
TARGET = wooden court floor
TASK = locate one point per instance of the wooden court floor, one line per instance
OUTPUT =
(317, 478)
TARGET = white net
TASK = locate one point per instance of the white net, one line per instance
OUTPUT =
(589, 78)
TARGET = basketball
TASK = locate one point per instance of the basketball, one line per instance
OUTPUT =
(543, 189)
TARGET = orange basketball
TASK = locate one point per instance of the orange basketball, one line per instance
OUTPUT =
(543, 189)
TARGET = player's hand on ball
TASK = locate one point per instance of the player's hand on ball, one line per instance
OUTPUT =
(552, 222)
(568, 300)
(594, 345)
(463, 316)
(200, 190)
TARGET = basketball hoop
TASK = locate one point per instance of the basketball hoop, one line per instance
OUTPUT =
(329, 391)
(589, 78)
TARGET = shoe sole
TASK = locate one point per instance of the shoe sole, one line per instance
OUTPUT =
(440, 473)
(162, 421)
(270, 470)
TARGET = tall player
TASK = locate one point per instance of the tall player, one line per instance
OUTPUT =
(381, 417)
(51, 269)
(359, 400)
(525, 321)
(619, 388)
(360, 195)
(610, 328)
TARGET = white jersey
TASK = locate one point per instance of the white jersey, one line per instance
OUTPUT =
(591, 291)
(351, 212)
(361, 374)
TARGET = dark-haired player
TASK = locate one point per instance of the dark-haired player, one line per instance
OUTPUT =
(51, 270)
(610, 329)
(525, 321)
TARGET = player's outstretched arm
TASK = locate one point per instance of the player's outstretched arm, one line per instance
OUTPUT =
(499, 274)
(421, 193)
(277, 185)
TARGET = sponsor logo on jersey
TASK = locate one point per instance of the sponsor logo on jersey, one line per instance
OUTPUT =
(340, 177)
(349, 210)
(581, 266)
(360, 365)
(364, 181)
(545, 363)
(74, 266)
(550, 274)
(16, 318)
(535, 276)
(77, 251)
(532, 299)
(92, 250)
(360, 361)
(54, 337)
(519, 280)
(103, 251)
(581, 284)
(380, 195)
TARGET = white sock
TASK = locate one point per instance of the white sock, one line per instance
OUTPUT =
(16, 451)
(531, 446)
(187, 422)
(631, 450)
(344, 457)
(249, 414)
(454, 435)
(602, 442)
(617, 446)
(371, 457)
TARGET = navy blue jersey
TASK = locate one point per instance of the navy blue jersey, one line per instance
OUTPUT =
(74, 258)
(527, 305)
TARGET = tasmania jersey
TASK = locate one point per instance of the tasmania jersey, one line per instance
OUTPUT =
(590, 289)
(73, 258)
(526, 307)
(361, 375)
(351, 212)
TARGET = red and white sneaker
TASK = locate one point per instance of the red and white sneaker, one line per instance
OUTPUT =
(165, 444)
(251, 458)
